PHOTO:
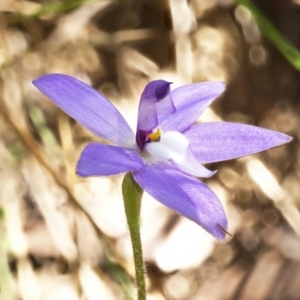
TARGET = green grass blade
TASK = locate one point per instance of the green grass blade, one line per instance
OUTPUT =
(269, 30)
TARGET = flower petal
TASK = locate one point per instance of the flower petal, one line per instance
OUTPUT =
(165, 106)
(149, 109)
(190, 166)
(100, 159)
(87, 106)
(190, 101)
(184, 194)
(153, 92)
(218, 141)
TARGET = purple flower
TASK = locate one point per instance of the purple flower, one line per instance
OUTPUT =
(166, 154)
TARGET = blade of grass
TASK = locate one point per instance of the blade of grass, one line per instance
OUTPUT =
(269, 30)
(5, 274)
(47, 9)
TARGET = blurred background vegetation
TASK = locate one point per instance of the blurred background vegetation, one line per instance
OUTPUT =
(64, 237)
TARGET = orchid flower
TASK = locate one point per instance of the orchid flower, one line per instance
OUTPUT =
(167, 152)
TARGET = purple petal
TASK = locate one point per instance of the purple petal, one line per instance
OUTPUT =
(218, 141)
(100, 159)
(86, 106)
(190, 101)
(149, 109)
(162, 88)
(165, 106)
(185, 195)
(153, 92)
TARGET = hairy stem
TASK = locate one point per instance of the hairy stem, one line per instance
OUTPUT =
(132, 194)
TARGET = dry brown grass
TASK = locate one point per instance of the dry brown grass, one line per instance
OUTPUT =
(64, 237)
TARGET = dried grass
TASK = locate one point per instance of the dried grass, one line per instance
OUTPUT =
(64, 237)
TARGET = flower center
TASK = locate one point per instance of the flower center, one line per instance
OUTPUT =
(167, 145)
(173, 146)
(154, 136)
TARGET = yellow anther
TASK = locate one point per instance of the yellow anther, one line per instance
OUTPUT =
(155, 136)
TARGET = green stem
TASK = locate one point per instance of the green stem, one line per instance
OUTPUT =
(132, 194)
